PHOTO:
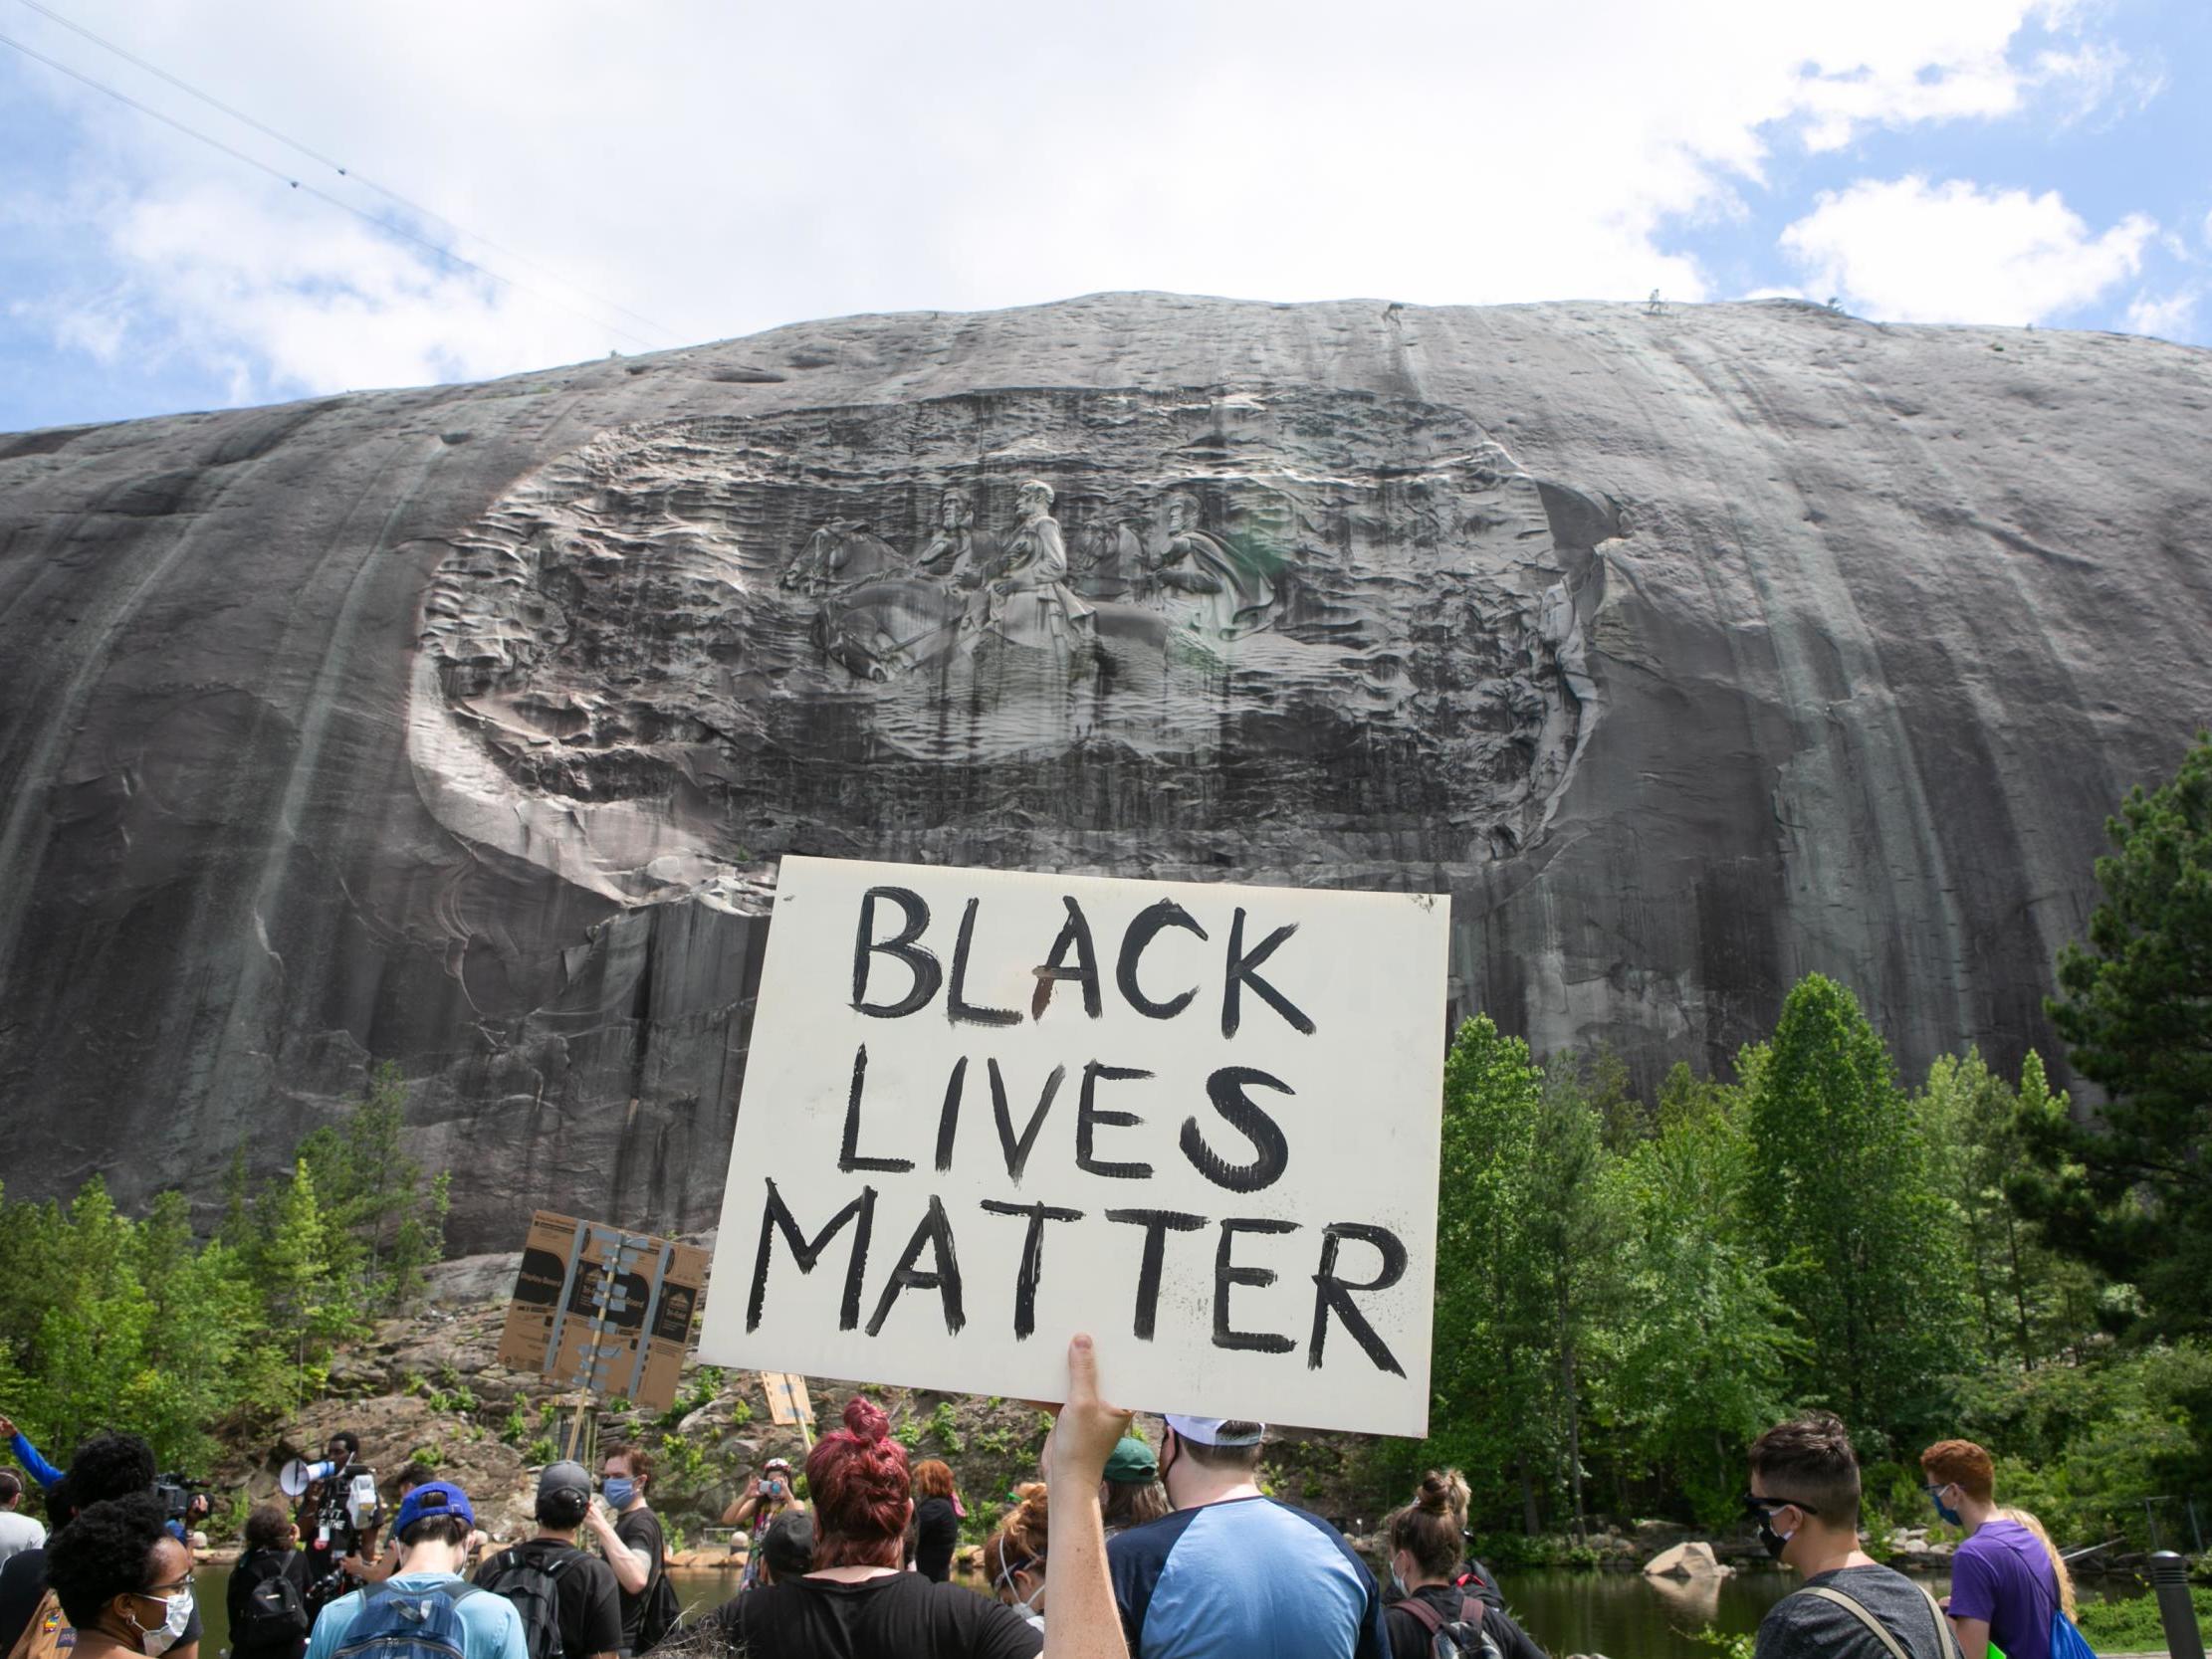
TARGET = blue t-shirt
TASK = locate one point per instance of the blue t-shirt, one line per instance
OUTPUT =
(1250, 1577)
(2003, 1575)
(490, 1626)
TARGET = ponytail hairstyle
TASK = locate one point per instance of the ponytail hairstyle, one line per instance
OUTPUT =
(1428, 1527)
(2057, 1562)
(857, 1478)
(1020, 1541)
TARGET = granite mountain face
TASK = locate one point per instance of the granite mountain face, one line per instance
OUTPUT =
(1689, 653)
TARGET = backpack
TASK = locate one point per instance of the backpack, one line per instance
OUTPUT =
(2067, 1640)
(276, 1617)
(408, 1624)
(531, 1583)
(49, 1636)
(662, 1610)
(1464, 1635)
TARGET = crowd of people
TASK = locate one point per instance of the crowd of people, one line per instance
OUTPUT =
(1119, 1550)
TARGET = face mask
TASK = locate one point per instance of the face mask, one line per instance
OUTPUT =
(619, 1490)
(159, 1638)
(1945, 1513)
(1774, 1541)
(1397, 1590)
(1005, 1585)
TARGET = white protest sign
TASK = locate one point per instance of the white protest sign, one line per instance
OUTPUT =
(985, 1110)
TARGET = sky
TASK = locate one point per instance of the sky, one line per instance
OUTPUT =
(532, 182)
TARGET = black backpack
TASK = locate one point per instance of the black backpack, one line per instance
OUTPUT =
(1465, 1636)
(662, 1610)
(276, 1617)
(531, 1584)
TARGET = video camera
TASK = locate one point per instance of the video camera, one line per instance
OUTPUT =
(175, 1491)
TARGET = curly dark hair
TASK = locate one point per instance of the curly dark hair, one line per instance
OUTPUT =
(106, 1467)
(269, 1527)
(107, 1551)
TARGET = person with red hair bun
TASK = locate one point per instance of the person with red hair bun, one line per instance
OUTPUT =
(858, 1600)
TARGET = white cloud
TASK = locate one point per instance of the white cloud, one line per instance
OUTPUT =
(1908, 251)
(726, 169)
(2166, 316)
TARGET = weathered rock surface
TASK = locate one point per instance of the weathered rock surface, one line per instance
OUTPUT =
(1694, 1560)
(1689, 653)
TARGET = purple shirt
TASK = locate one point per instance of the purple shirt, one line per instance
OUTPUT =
(2003, 1575)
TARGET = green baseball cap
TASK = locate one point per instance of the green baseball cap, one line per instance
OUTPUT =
(1132, 1463)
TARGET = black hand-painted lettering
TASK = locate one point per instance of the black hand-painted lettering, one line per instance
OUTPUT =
(848, 1153)
(1242, 972)
(948, 1119)
(1226, 1273)
(1157, 1225)
(1332, 1292)
(922, 961)
(935, 1231)
(1150, 920)
(1032, 1257)
(1017, 1151)
(1226, 1087)
(957, 1006)
(1076, 935)
(777, 1217)
(1089, 1116)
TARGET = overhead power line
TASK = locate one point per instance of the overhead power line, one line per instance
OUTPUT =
(383, 224)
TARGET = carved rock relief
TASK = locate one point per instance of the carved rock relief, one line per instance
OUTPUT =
(1111, 629)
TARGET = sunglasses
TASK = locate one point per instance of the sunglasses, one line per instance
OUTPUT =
(1759, 1508)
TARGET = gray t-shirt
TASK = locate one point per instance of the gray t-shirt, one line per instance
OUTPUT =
(19, 1533)
(1803, 1626)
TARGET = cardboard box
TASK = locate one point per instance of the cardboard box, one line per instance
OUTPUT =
(599, 1308)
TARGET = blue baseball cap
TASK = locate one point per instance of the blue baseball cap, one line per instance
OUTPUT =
(428, 1502)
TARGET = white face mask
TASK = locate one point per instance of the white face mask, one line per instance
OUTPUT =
(159, 1638)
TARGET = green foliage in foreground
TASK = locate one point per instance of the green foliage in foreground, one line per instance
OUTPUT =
(106, 1322)
(2132, 1625)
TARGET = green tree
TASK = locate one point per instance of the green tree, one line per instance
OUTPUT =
(1698, 1349)
(2131, 1189)
(1864, 1243)
(1488, 1359)
(384, 1228)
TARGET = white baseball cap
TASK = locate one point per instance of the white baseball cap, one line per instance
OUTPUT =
(1207, 1431)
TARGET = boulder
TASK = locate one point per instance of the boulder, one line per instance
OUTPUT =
(1694, 1559)
(464, 725)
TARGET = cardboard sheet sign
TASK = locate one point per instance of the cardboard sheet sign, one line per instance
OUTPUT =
(789, 1405)
(985, 1110)
(603, 1310)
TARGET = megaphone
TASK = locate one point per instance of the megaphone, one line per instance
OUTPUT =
(298, 1475)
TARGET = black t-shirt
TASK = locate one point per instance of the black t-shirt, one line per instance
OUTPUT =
(23, 1587)
(1410, 1638)
(254, 1568)
(935, 1532)
(584, 1591)
(640, 1530)
(901, 1615)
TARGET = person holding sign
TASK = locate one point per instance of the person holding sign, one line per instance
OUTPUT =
(1234, 1570)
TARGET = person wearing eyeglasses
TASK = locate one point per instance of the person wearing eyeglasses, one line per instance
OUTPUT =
(1804, 1498)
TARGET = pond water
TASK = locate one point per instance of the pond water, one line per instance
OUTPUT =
(1620, 1614)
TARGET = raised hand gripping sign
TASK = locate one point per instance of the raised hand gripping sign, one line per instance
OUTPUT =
(983, 1109)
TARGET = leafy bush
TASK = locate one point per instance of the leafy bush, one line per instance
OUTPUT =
(2133, 1624)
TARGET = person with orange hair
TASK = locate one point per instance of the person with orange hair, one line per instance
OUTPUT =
(2004, 1586)
(1013, 1556)
(857, 1601)
(937, 1517)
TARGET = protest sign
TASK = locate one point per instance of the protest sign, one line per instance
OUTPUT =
(788, 1407)
(985, 1110)
(601, 1310)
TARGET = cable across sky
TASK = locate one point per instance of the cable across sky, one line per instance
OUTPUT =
(670, 336)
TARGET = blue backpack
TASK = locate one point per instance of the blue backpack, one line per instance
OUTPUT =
(2067, 1642)
(408, 1624)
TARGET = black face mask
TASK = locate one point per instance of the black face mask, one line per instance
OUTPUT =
(1775, 1543)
